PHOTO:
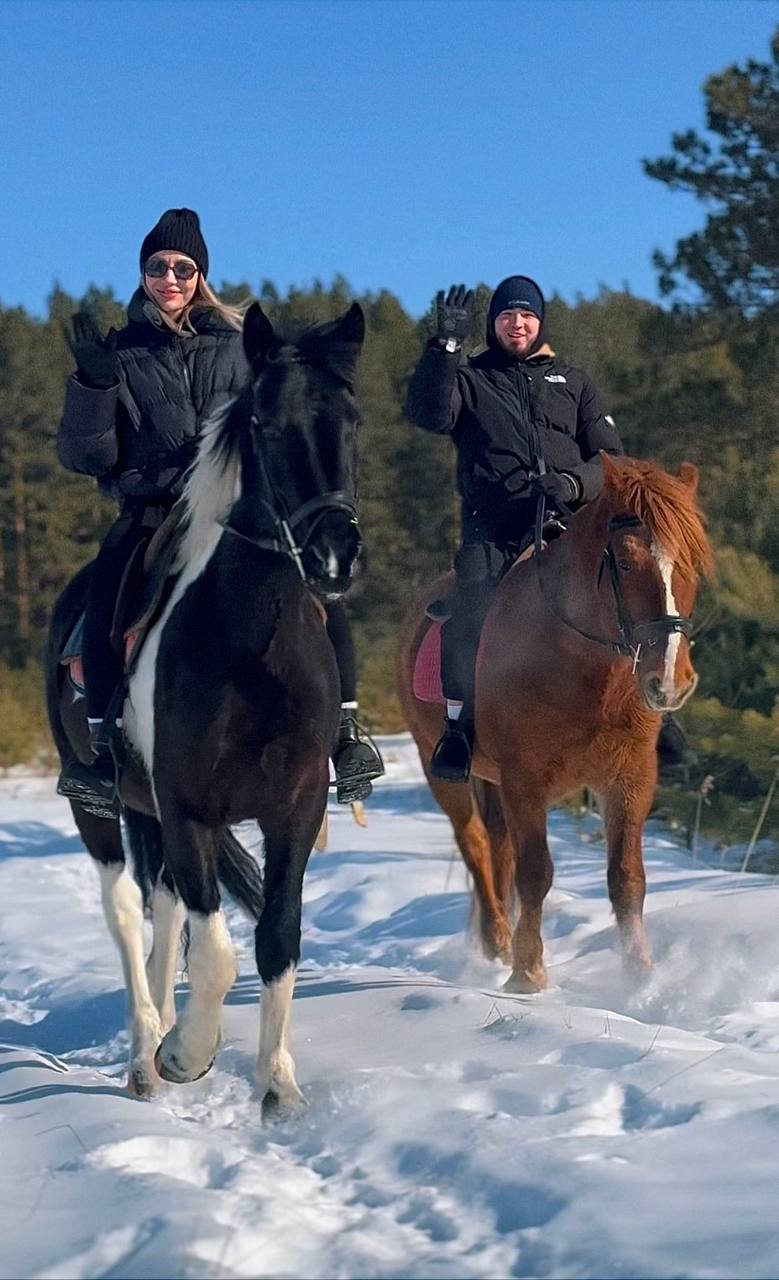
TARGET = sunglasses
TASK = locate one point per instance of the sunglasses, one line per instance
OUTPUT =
(156, 268)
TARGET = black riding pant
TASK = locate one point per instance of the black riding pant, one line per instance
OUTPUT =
(340, 633)
(102, 665)
(478, 566)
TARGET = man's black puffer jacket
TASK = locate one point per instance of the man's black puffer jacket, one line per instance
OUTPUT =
(501, 413)
(138, 437)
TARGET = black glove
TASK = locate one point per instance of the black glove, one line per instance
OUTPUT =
(557, 487)
(94, 355)
(454, 316)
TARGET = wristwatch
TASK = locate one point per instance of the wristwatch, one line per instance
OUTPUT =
(451, 344)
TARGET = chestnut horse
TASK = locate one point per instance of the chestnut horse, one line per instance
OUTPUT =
(585, 646)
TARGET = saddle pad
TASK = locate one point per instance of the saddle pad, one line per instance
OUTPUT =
(427, 668)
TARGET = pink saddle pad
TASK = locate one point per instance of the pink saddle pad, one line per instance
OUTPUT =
(427, 668)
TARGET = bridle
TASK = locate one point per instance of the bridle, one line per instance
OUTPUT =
(283, 538)
(631, 635)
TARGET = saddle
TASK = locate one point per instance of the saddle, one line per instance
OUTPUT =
(143, 592)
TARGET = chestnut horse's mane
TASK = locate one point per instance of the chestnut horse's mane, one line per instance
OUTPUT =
(667, 506)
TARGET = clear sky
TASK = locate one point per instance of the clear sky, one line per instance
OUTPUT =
(402, 143)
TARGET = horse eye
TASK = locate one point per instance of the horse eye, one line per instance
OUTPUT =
(625, 566)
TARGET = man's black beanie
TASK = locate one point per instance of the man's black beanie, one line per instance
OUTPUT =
(178, 231)
(517, 293)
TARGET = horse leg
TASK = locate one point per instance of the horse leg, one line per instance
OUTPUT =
(488, 797)
(533, 872)
(458, 802)
(123, 910)
(188, 1049)
(288, 843)
(168, 914)
(625, 809)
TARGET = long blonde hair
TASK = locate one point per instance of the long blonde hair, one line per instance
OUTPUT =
(203, 299)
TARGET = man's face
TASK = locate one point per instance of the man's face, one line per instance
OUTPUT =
(516, 331)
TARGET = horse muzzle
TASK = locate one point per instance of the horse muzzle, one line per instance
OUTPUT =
(660, 696)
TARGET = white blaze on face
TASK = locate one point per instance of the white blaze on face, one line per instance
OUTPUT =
(666, 566)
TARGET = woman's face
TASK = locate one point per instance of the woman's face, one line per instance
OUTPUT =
(171, 292)
(516, 331)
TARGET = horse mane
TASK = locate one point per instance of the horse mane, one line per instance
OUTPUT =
(213, 481)
(667, 505)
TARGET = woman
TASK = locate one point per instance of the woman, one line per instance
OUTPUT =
(133, 411)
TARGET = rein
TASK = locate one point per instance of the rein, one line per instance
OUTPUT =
(629, 643)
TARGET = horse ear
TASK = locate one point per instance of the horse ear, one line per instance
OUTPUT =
(689, 475)
(351, 326)
(257, 334)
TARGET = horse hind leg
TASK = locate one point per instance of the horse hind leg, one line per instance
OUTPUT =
(168, 914)
(165, 907)
(459, 803)
(188, 1049)
(123, 910)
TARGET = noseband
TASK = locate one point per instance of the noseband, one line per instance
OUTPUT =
(632, 635)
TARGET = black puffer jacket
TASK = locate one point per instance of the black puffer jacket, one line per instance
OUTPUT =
(138, 437)
(501, 413)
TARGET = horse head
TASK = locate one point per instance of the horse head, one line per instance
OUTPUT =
(655, 548)
(299, 456)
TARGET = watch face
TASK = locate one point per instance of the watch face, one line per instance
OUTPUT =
(451, 344)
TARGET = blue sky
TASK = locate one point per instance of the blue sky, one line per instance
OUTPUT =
(402, 143)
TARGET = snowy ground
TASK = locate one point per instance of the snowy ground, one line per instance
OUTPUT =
(452, 1131)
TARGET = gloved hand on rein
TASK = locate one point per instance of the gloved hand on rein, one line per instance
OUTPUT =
(557, 487)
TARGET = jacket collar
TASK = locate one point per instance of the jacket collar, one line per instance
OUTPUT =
(497, 358)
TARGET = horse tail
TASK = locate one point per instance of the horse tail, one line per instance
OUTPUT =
(236, 869)
(240, 875)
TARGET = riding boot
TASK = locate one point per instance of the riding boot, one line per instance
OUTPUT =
(93, 786)
(356, 760)
(451, 760)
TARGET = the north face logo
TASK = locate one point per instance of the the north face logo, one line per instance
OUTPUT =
(555, 377)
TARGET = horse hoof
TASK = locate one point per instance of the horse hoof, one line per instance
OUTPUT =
(497, 946)
(143, 1083)
(172, 1070)
(637, 968)
(281, 1103)
(525, 983)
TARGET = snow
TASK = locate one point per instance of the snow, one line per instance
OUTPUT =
(596, 1130)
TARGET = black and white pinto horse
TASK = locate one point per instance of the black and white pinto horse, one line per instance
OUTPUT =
(232, 707)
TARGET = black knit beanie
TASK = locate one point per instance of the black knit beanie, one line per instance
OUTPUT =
(178, 231)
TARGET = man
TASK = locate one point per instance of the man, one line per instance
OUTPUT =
(524, 424)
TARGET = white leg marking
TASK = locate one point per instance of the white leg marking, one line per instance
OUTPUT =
(189, 1048)
(124, 916)
(168, 915)
(275, 1070)
(666, 567)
